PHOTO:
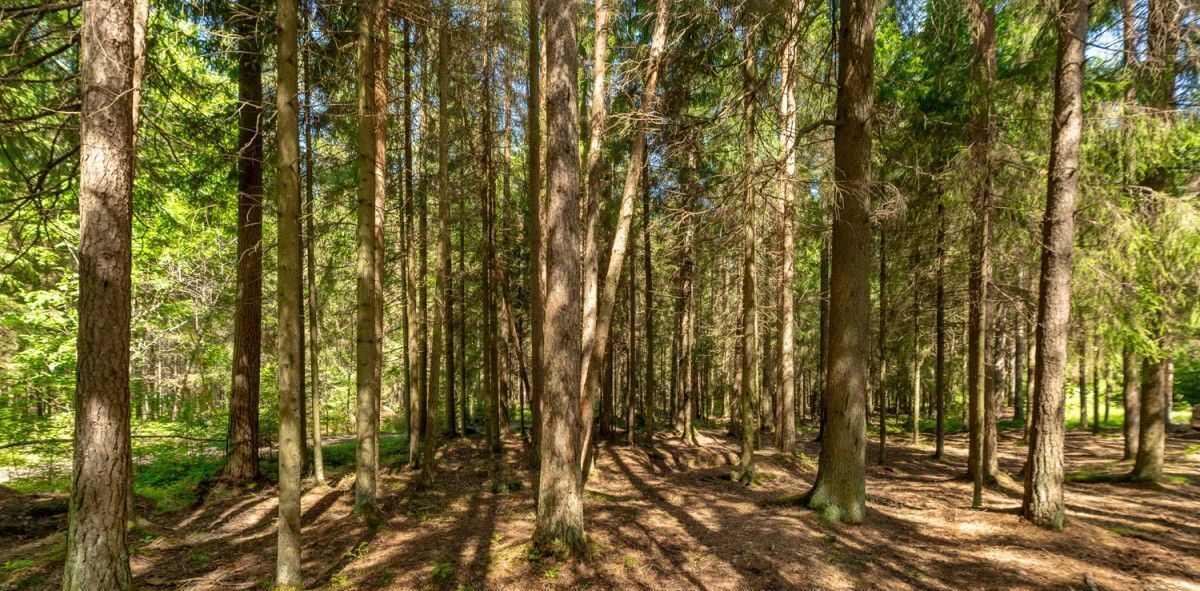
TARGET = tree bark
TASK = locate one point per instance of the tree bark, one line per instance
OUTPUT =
(560, 490)
(288, 281)
(840, 487)
(1043, 499)
(413, 278)
(983, 77)
(533, 218)
(647, 316)
(241, 464)
(314, 318)
(97, 558)
(747, 332)
(787, 191)
(939, 371)
(366, 360)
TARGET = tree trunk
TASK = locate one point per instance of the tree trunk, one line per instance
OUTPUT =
(367, 388)
(413, 278)
(840, 487)
(1083, 416)
(97, 557)
(1148, 461)
(747, 332)
(647, 316)
(1096, 388)
(881, 367)
(560, 490)
(314, 318)
(241, 447)
(441, 294)
(533, 218)
(787, 191)
(1043, 499)
(939, 370)
(497, 418)
(291, 443)
(983, 77)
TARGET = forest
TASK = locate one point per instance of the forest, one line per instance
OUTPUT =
(621, 294)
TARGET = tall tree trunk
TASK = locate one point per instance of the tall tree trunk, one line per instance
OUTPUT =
(1096, 387)
(367, 388)
(560, 490)
(647, 314)
(1083, 416)
(533, 217)
(413, 278)
(1147, 465)
(441, 294)
(881, 367)
(497, 418)
(1043, 499)
(983, 78)
(288, 281)
(381, 100)
(840, 489)
(241, 447)
(939, 322)
(787, 191)
(314, 318)
(97, 557)
(1019, 353)
(747, 330)
(918, 361)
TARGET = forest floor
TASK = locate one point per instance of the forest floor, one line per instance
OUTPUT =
(671, 519)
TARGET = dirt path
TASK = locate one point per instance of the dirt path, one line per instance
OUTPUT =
(669, 520)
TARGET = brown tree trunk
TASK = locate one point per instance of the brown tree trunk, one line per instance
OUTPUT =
(1082, 383)
(1043, 499)
(840, 488)
(314, 318)
(647, 315)
(747, 330)
(288, 289)
(366, 360)
(97, 557)
(241, 464)
(413, 278)
(983, 77)
(939, 322)
(497, 418)
(1148, 461)
(560, 490)
(533, 217)
(441, 294)
(881, 367)
(787, 191)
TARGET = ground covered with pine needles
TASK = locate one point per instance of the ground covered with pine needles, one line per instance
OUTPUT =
(669, 519)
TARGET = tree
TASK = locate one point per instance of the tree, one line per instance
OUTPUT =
(840, 487)
(983, 74)
(533, 216)
(1130, 402)
(787, 192)
(288, 347)
(241, 464)
(366, 354)
(314, 315)
(560, 490)
(97, 558)
(1042, 503)
(748, 326)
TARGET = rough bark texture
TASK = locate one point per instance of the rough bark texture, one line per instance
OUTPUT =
(442, 343)
(787, 192)
(1043, 499)
(983, 75)
(367, 388)
(288, 282)
(1148, 462)
(840, 487)
(241, 464)
(560, 490)
(939, 322)
(881, 367)
(314, 316)
(533, 216)
(747, 329)
(412, 276)
(97, 558)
